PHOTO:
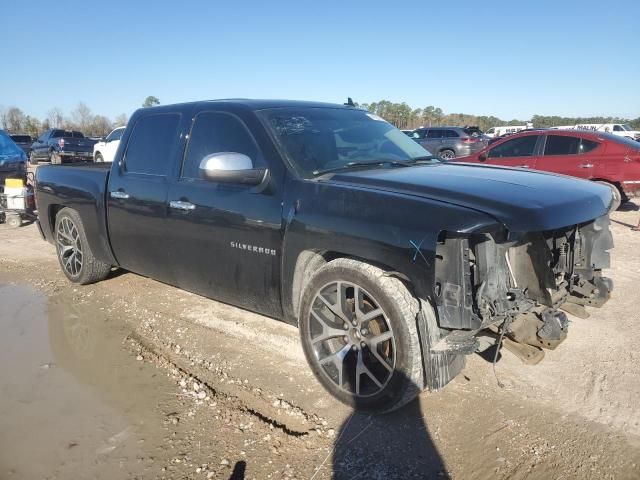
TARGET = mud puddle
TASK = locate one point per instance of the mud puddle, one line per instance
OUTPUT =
(73, 402)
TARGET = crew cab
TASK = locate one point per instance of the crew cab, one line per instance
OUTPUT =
(105, 149)
(58, 146)
(592, 155)
(392, 263)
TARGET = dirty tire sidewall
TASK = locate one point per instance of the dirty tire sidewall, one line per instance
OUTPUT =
(92, 270)
(401, 309)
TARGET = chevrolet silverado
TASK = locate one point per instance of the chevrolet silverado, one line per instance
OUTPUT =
(393, 264)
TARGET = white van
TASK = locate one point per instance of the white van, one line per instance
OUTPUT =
(506, 130)
(621, 129)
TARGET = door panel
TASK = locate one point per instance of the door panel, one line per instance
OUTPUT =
(227, 246)
(560, 155)
(516, 152)
(137, 196)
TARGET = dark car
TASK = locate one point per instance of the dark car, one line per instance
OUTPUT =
(450, 142)
(58, 146)
(24, 142)
(13, 161)
(593, 155)
(329, 218)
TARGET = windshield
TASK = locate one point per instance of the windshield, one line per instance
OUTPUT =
(21, 138)
(319, 139)
(8, 148)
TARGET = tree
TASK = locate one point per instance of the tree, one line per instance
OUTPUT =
(14, 120)
(55, 118)
(32, 126)
(82, 116)
(100, 126)
(151, 101)
(121, 120)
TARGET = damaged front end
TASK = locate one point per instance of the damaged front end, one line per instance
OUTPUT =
(518, 284)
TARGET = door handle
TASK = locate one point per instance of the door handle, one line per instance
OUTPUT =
(180, 205)
(119, 194)
(586, 165)
(523, 166)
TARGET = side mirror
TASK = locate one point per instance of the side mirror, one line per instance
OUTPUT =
(231, 167)
(483, 157)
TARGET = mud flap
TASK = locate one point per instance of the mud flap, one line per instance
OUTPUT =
(439, 368)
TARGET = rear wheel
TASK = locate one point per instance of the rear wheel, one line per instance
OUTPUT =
(74, 254)
(359, 335)
(446, 154)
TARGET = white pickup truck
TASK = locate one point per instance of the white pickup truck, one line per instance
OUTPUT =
(105, 150)
(621, 129)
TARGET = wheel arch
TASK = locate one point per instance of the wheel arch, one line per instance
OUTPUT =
(308, 262)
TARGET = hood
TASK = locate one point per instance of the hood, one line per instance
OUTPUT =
(521, 200)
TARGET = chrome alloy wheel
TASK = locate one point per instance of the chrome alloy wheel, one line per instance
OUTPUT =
(69, 247)
(352, 339)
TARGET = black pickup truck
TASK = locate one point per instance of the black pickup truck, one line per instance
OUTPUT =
(58, 146)
(393, 264)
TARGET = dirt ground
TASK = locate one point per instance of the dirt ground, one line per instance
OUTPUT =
(130, 378)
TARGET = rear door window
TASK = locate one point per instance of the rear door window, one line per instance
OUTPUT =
(587, 145)
(516, 147)
(152, 143)
(561, 145)
(434, 134)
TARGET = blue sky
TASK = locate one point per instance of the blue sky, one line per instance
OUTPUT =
(511, 59)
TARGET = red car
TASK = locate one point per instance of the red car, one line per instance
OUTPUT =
(597, 156)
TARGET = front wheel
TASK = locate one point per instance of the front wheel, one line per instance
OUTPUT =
(446, 155)
(99, 158)
(359, 335)
(74, 254)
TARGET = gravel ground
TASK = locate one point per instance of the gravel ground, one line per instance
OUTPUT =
(218, 392)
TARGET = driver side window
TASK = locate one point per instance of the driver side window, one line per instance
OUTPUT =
(216, 132)
(516, 147)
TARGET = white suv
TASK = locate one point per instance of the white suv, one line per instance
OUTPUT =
(104, 151)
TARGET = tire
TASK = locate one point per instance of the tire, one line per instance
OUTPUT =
(32, 159)
(617, 196)
(400, 378)
(446, 154)
(74, 254)
(99, 158)
(55, 158)
(13, 221)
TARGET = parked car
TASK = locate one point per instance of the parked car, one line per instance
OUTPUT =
(329, 218)
(23, 141)
(58, 146)
(592, 155)
(105, 149)
(13, 160)
(449, 142)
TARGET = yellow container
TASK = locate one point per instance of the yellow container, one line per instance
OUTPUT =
(13, 183)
